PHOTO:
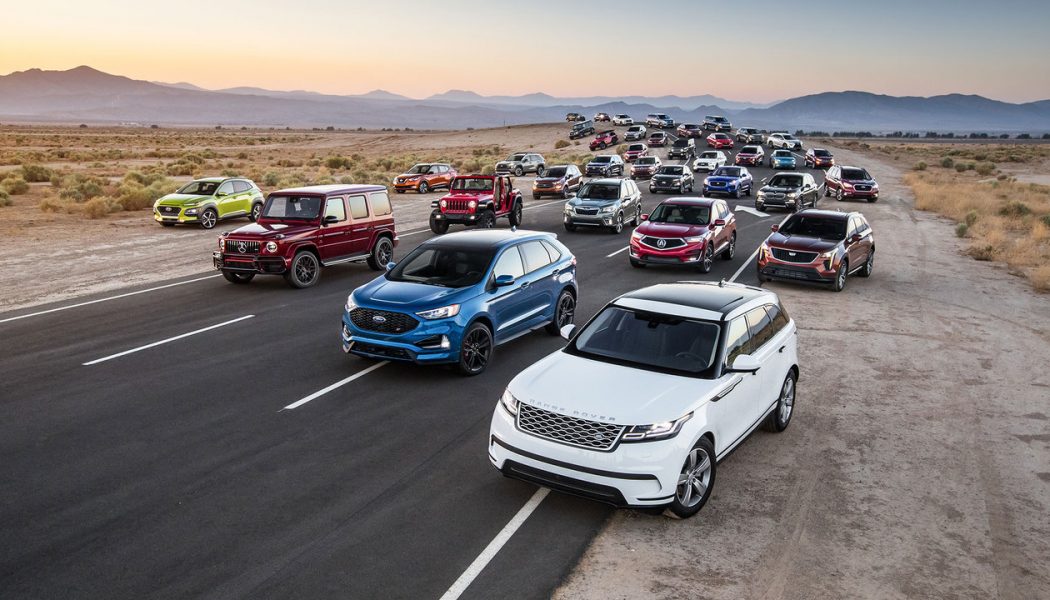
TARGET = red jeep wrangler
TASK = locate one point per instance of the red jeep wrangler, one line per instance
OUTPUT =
(477, 200)
(604, 139)
(303, 229)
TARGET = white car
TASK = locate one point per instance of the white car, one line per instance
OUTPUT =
(710, 160)
(784, 140)
(634, 132)
(623, 120)
(649, 395)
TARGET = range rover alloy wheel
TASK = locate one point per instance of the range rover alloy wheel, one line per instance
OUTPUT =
(382, 253)
(781, 416)
(695, 481)
(304, 271)
(564, 313)
(475, 350)
(209, 218)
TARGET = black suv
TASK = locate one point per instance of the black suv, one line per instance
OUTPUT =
(672, 178)
(581, 129)
(717, 123)
(682, 148)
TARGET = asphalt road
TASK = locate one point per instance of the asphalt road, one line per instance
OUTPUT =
(176, 471)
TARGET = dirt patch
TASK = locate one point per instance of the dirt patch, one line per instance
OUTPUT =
(914, 466)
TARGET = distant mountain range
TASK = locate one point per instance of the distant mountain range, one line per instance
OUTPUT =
(87, 95)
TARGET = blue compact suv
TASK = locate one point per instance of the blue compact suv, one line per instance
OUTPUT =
(455, 297)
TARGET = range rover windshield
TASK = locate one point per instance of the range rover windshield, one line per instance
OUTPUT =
(813, 226)
(472, 184)
(297, 208)
(199, 188)
(443, 266)
(650, 341)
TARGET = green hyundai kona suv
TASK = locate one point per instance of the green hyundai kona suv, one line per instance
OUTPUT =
(207, 201)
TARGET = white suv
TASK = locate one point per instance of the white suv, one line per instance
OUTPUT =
(784, 140)
(623, 120)
(649, 395)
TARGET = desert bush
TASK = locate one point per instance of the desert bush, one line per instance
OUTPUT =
(985, 168)
(960, 167)
(920, 166)
(1040, 277)
(15, 186)
(346, 180)
(36, 173)
(96, 208)
(971, 218)
(983, 252)
(961, 229)
(947, 162)
(147, 178)
(271, 179)
(1014, 208)
(337, 162)
(80, 188)
(51, 205)
(1045, 220)
(488, 169)
(561, 144)
(5, 198)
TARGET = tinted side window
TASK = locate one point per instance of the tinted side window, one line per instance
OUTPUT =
(777, 316)
(334, 207)
(535, 255)
(241, 186)
(380, 204)
(737, 339)
(509, 263)
(552, 250)
(760, 325)
(358, 208)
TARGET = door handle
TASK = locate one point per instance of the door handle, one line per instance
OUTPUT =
(782, 348)
(555, 272)
(526, 284)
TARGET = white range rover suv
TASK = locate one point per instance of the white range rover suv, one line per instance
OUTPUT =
(649, 395)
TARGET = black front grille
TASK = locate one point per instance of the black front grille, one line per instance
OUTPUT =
(800, 273)
(669, 243)
(793, 256)
(862, 187)
(457, 205)
(169, 210)
(586, 211)
(374, 350)
(568, 485)
(242, 247)
(568, 430)
(382, 321)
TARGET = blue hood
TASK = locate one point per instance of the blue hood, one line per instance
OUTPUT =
(407, 296)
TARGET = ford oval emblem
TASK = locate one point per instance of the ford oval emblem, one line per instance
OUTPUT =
(661, 243)
(379, 318)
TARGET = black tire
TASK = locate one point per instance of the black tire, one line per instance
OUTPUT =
(570, 227)
(487, 220)
(873, 199)
(238, 277)
(760, 207)
(518, 171)
(827, 191)
(515, 214)
(381, 254)
(617, 224)
(601, 146)
(256, 211)
(840, 276)
(869, 265)
(748, 194)
(637, 220)
(475, 350)
(565, 193)
(438, 227)
(736, 193)
(399, 191)
(424, 187)
(540, 170)
(780, 418)
(730, 250)
(304, 271)
(840, 195)
(698, 479)
(536, 196)
(209, 218)
(707, 261)
(166, 224)
(564, 312)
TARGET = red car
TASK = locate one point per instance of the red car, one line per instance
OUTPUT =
(819, 158)
(690, 130)
(604, 139)
(635, 151)
(719, 141)
(599, 117)
(750, 155)
(303, 229)
(818, 246)
(657, 138)
(685, 231)
(850, 182)
(477, 200)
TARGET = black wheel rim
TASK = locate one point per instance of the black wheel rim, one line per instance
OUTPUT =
(476, 348)
(566, 311)
(383, 253)
(619, 223)
(305, 268)
(517, 214)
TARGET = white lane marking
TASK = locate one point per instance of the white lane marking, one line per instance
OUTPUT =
(750, 210)
(401, 235)
(79, 304)
(165, 341)
(494, 546)
(334, 386)
(545, 204)
(752, 257)
(617, 252)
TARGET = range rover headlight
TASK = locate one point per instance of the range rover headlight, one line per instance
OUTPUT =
(440, 313)
(509, 402)
(271, 247)
(350, 304)
(655, 431)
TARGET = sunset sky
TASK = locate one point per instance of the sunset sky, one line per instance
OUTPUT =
(564, 48)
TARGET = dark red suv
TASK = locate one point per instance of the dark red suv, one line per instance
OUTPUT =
(303, 229)
(818, 246)
(850, 182)
(685, 231)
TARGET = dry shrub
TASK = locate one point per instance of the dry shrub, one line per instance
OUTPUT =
(1014, 208)
(96, 208)
(5, 198)
(961, 229)
(920, 166)
(947, 162)
(985, 168)
(1040, 277)
(558, 145)
(15, 186)
(52, 205)
(36, 173)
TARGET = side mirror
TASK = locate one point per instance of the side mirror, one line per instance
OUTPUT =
(220, 194)
(329, 219)
(745, 363)
(504, 280)
(390, 265)
(775, 228)
(645, 216)
(566, 331)
(720, 222)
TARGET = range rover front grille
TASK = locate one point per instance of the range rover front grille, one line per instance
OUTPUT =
(793, 255)
(382, 321)
(568, 430)
(242, 247)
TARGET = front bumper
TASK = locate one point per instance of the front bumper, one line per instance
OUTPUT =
(178, 216)
(553, 190)
(264, 265)
(408, 185)
(657, 185)
(432, 342)
(854, 193)
(781, 200)
(634, 474)
(589, 172)
(466, 218)
(685, 255)
(597, 220)
(641, 174)
(817, 271)
(783, 165)
(726, 189)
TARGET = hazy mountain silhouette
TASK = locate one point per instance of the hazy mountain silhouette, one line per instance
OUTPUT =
(85, 94)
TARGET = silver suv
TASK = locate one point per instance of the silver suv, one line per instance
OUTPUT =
(607, 203)
(520, 163)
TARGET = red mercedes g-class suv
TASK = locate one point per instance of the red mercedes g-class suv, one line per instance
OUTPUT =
(303, 229)
(477, 200)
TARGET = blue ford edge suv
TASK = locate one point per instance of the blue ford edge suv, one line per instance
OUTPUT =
(455, 297)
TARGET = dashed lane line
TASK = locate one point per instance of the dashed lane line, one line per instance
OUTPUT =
(166, 341)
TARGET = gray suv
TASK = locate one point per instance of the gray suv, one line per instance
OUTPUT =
(607, 203)
(717, 123)
(520, 163)
(749, 135)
